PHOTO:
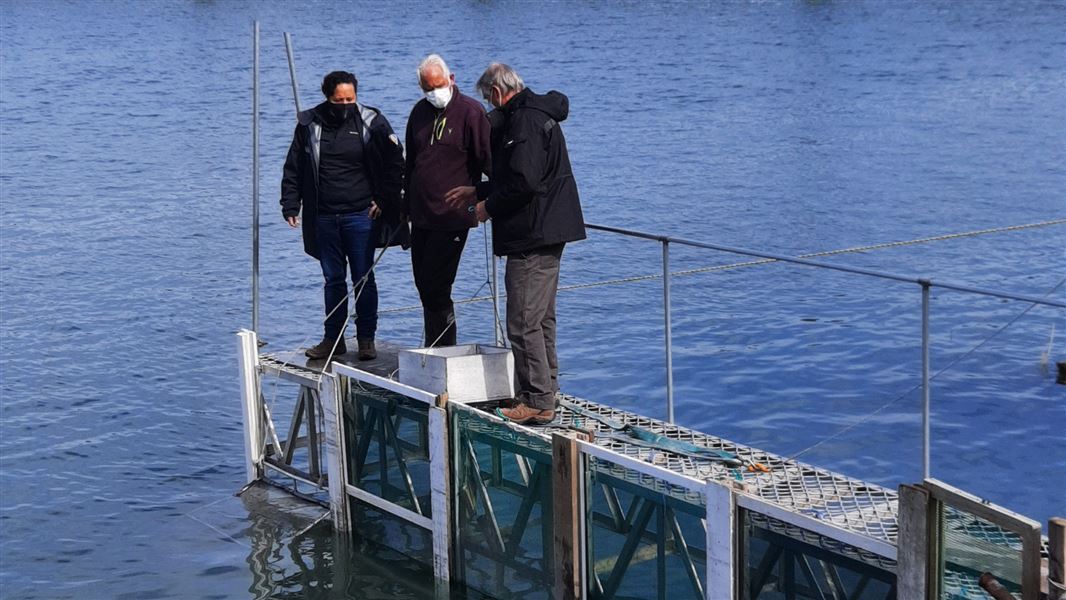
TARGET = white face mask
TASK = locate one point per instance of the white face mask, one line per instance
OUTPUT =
(439, 97)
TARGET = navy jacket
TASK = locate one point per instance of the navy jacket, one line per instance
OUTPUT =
(532, 196)
(384, 164)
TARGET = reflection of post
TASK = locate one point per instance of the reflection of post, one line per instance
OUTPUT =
(262, 537)
(1056, 559)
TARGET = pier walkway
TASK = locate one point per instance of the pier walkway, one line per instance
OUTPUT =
(580, 509)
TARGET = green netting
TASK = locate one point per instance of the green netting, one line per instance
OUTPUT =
(502, 487)
(780, 561)
(645, 537)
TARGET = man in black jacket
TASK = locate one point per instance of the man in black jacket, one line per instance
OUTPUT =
(345, 167)
(533, 202)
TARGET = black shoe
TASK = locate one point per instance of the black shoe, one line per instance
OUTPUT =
(367, 350)
(323, 349)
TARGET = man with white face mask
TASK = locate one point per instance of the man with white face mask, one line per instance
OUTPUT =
(447, 146)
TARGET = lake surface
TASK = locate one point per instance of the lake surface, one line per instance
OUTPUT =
(792, 127)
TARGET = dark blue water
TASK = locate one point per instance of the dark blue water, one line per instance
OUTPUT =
(792, 127)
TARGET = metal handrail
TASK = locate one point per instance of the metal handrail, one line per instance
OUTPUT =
(925, 284)
(825, 265)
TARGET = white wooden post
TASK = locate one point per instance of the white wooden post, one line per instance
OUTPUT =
(248, 358)
(331, 401)
(440, 488)
(721, 541)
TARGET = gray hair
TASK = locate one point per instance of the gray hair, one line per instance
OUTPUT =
(501, 76)
(433, 60)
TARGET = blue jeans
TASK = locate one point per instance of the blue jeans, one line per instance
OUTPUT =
(344, 241)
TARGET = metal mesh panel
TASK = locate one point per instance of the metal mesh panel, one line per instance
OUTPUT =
(848, 503)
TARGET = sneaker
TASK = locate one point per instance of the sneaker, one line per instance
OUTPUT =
(323, 349)
(526, 415)
(367, 350)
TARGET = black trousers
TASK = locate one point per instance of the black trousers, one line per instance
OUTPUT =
(435, 260)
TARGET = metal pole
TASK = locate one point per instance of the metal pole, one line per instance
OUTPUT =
(497, 325)
(255, 178)
(925, 379)
(292, 71)
(669, 338)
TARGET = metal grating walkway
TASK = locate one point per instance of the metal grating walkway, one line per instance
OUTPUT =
(854, 505)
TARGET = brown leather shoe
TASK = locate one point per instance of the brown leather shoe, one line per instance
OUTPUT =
(367, 350)
(526, 415)
(323, 349)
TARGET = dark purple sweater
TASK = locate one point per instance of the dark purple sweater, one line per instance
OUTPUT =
(457, 154)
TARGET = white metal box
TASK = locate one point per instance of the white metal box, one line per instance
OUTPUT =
(469, 373)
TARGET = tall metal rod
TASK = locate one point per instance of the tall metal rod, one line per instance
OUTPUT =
(255, 177)
(925, 379)
(497, 325)
(669, 337)
(292, 71)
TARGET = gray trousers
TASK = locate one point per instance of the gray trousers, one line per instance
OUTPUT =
(532, 280)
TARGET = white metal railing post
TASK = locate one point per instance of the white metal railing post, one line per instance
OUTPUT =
(255, 177)
(252, 404)
(332, 403)
(666, 328)
(925, 378)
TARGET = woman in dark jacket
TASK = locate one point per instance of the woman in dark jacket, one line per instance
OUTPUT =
(345, 170)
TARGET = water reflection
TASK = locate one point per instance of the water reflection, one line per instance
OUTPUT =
(294, 556)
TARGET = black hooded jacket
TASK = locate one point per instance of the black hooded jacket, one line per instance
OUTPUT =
(532, 196)
(383, 158)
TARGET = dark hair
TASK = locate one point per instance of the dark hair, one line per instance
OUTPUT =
(332, 80)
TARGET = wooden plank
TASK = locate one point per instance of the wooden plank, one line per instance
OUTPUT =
(440, 490)
(1057, 559)
(969, 503)
(248, 360)
(330, 400)
(1026, 528)
(567, 479)
(721, 541)
(912, 574)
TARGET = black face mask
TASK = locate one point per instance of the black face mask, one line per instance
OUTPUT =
(337, 114)
(496, 118)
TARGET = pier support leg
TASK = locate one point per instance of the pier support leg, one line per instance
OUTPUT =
(912, 573)
(331, 401)
(1056, 583)
(440, 490)
(567, 508)
(251, 401)
(721, 542)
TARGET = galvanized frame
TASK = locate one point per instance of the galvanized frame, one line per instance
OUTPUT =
(439, 458)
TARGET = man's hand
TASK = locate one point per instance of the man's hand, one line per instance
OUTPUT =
(375, 212)
(458, 197)
(293, 221)
(481, 212)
